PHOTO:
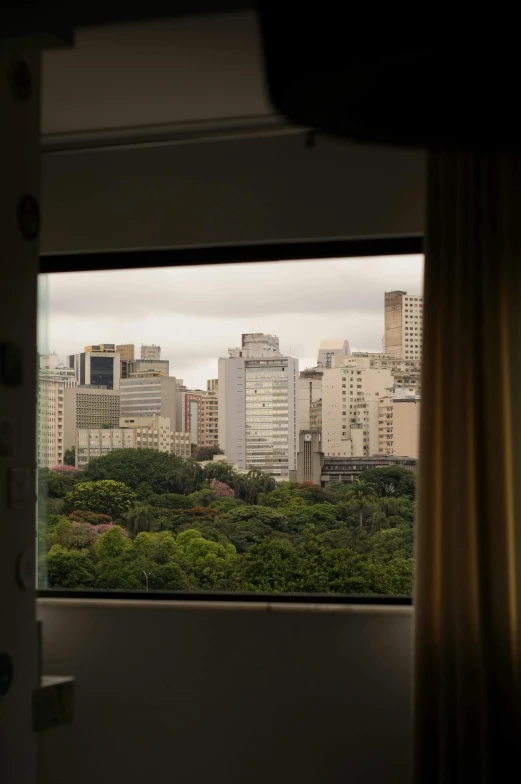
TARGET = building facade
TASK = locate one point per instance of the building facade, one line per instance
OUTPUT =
(52, 368)
(133, 433)
(209, 417)
(329, 349)
(98, 365)
(403, 325)
(309, 394)
(151, 352)
(257, 406)
(89, 407)
(50, 422)
(149, 395)
(399, 427)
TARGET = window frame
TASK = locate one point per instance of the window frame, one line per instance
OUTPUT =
(55, 263)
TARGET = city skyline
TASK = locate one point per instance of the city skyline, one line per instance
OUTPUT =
(197, 313)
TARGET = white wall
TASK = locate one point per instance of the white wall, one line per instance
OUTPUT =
(166, 692)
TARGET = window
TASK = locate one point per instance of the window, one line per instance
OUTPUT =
(125, 498)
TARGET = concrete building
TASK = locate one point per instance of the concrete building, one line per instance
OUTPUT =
(191, 414)
(406, 372)
(133, 433)
(50, 422)
(89, 407)
(258, 410)
(403, 324)
(126, 353)
(350, 395)
(313, 466)
(329, 349)
(151, 352)
(399, 427)
(309, 394)
(98, 365)
(52, 368)
(150, 395)
(209, 418)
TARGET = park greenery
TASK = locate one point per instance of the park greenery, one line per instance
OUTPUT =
(137, 519)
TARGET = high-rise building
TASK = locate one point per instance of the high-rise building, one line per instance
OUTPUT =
(50, 422)
(150, 395)
(330, 348)
(126, 353)
(350, 400)
(258, 410)
(406, 372)
(403, 324)
(52, 368)
(133, 433)
(89, 407)
(209, 419)
(98, 365)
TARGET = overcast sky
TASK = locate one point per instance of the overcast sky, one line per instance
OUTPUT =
(196, 313)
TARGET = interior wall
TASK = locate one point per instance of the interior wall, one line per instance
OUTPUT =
(234, 694)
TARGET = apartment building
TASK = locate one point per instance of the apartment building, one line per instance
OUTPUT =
(257, 406)
(403, 324)
(132, 433)
(350, 395)
(209, 417)
(89, 407)
(399, 427)
(50, 422)
(406, 372)
(150, 395)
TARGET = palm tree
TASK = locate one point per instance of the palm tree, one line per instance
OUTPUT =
(140, 518)
(362, 492)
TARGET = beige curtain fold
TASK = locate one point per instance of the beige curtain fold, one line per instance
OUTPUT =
(467, 694)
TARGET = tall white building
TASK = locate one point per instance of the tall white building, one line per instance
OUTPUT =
(257, 406)
(399, 427)
(403, 324)
(50, 422)
(350, 406)
(329, 349)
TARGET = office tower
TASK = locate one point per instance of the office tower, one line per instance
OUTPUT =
(50, 422)
(309, 394)
(403, 324)
(98, 365)
(89, 407)
(330, 348)
(350, 406)
(150, 395)
(133, 433)
(257, 396)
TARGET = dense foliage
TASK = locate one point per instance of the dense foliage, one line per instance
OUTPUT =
(139, 519)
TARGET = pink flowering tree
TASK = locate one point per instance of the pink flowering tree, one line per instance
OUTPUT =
(221, 489)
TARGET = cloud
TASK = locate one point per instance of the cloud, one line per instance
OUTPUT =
(197, 313)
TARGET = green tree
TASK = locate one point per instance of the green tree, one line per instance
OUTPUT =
(60, 483)
(211, 563)
(139, 518)
(69, 456)
(70, 568)
(105, 496)
(112, 543)
(202, 453)
(133, 467)
(362, 492)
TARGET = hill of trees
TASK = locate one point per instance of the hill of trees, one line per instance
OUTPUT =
(139, 519)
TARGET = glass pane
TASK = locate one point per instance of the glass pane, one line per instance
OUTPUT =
(256, 431)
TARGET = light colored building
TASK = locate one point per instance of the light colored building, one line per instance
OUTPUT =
(126, 353)
(89, 407)
(151, 352)
(329, 349)
(51, 367)
(399, 427)
(191, 414)
(257, 408)
(403, 324)
(133, 433)
(209, 418)
(309, 393)
(98, 365)
(50, 422)
(150, 395)
(350, 395)
(406, 372)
